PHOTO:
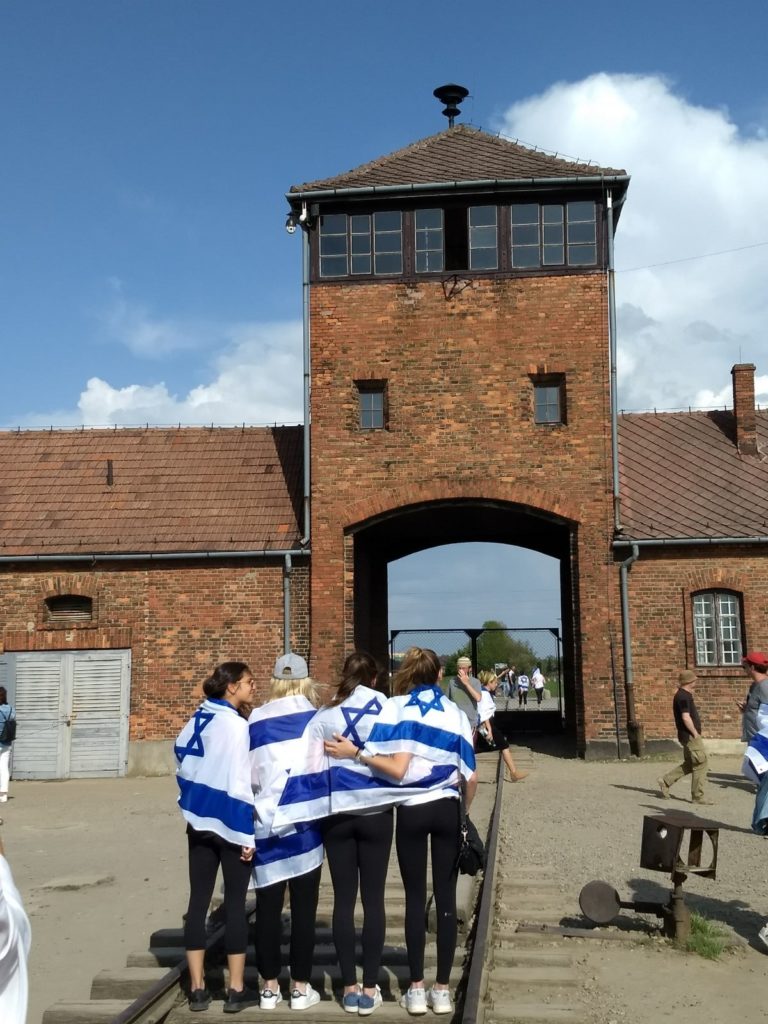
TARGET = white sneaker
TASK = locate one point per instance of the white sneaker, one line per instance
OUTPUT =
(268, 999)
(303, 1000)
(440, 1000)
(367, 1004)
(763, 934)
(414, 1001)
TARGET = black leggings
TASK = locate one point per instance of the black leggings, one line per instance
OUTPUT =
(269, 925)
(358, 846)
(438, 820)
(206, 852)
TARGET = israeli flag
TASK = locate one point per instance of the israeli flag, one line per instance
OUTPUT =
(214, 773)
(428, 725)
(276, 731)
(755, 763)
(320, 785)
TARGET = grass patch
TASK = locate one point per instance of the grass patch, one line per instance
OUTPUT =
(707, 938)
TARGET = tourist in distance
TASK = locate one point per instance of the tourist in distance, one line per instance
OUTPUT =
(216, 800)
(421, 730)
(538, 682)
(487, 728)
(464, 690)
(688, 726)
(291, 858)
(523, 685)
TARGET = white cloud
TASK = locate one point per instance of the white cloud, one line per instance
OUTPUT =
(697, 187)
(256, 379)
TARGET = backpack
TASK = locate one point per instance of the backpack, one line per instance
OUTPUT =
(8, 730)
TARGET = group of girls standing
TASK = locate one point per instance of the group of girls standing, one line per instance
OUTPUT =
(325, 781)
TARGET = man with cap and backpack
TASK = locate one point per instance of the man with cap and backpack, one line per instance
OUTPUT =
(688, 726)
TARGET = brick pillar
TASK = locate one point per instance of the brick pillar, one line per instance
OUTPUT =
(744, 407)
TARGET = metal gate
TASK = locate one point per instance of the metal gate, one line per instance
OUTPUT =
(493, 648)
(72, 710)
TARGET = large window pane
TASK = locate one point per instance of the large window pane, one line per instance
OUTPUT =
(387, 243)
(717, 628)
(388, 263)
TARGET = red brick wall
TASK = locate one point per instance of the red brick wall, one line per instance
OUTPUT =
(660, 588)
(461, 424)
(179, 622)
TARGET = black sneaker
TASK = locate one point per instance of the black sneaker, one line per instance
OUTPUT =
(199, 999)
(237, 1001)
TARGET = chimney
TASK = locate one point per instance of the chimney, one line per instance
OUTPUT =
(744, 407)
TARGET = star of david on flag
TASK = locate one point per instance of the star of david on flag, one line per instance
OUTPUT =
(352, 716)
(194, 747)
(425, 706)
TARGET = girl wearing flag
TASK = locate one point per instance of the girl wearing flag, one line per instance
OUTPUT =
(291, 856)
(358, 840)
(420, 731)
(216, 801)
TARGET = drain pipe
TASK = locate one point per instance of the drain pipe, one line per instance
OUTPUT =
(635, 733)
(287, 604)
(612, 360)
(305, 229)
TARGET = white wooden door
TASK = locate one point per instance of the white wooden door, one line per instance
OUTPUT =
(72, 710)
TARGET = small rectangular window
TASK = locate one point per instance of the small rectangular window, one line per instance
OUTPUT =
(388, 242)
(525, 235)
(483, 245)
(549, 399)
(372, 404)
(553, 250)
(333, 245)
(582, 234)
(429, 241)
(360, 243)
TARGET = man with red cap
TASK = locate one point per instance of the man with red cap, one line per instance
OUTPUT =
(688, 726)
(756, 666)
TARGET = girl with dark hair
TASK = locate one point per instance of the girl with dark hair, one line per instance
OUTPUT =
(422, 734)
(216, 801)
(7, 714)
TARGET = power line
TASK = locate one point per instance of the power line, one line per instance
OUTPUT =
(688, 259)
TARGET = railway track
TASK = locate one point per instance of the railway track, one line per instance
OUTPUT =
(501, 974)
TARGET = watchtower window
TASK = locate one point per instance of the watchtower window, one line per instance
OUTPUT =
(347, 244)
(553, 234)
(456, 238)
(70, 607)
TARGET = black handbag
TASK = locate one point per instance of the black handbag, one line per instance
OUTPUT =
(471, 856)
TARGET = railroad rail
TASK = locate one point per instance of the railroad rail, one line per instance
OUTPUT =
(151, 988)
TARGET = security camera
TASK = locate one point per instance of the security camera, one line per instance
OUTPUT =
(290, 223)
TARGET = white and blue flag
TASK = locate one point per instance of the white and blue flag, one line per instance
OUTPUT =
(320, 785)
(276, 731)
(214, 773)
(755, 763)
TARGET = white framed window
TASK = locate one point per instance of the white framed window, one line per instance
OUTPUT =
(717, 627)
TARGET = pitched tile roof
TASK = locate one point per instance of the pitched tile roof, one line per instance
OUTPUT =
(682, 476)
(187, 489)
(462, 153)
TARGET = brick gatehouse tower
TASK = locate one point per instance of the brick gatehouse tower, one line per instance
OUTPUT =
(457, 312)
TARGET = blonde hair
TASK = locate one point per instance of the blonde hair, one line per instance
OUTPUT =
(486, 677)
(305, 687)
(419, 667)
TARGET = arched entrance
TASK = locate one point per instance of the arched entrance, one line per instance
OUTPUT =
(388, 536)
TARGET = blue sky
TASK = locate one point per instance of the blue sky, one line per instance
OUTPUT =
(145, 274)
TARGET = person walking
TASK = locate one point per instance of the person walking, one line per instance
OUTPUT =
(421, 730)
(752, 718)
(7, 736)
(487, 728)
(538, 682)
(284, 858)
(216, 800)
(688, 726)
(523, 684)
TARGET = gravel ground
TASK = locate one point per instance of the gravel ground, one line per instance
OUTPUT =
(583, 821)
